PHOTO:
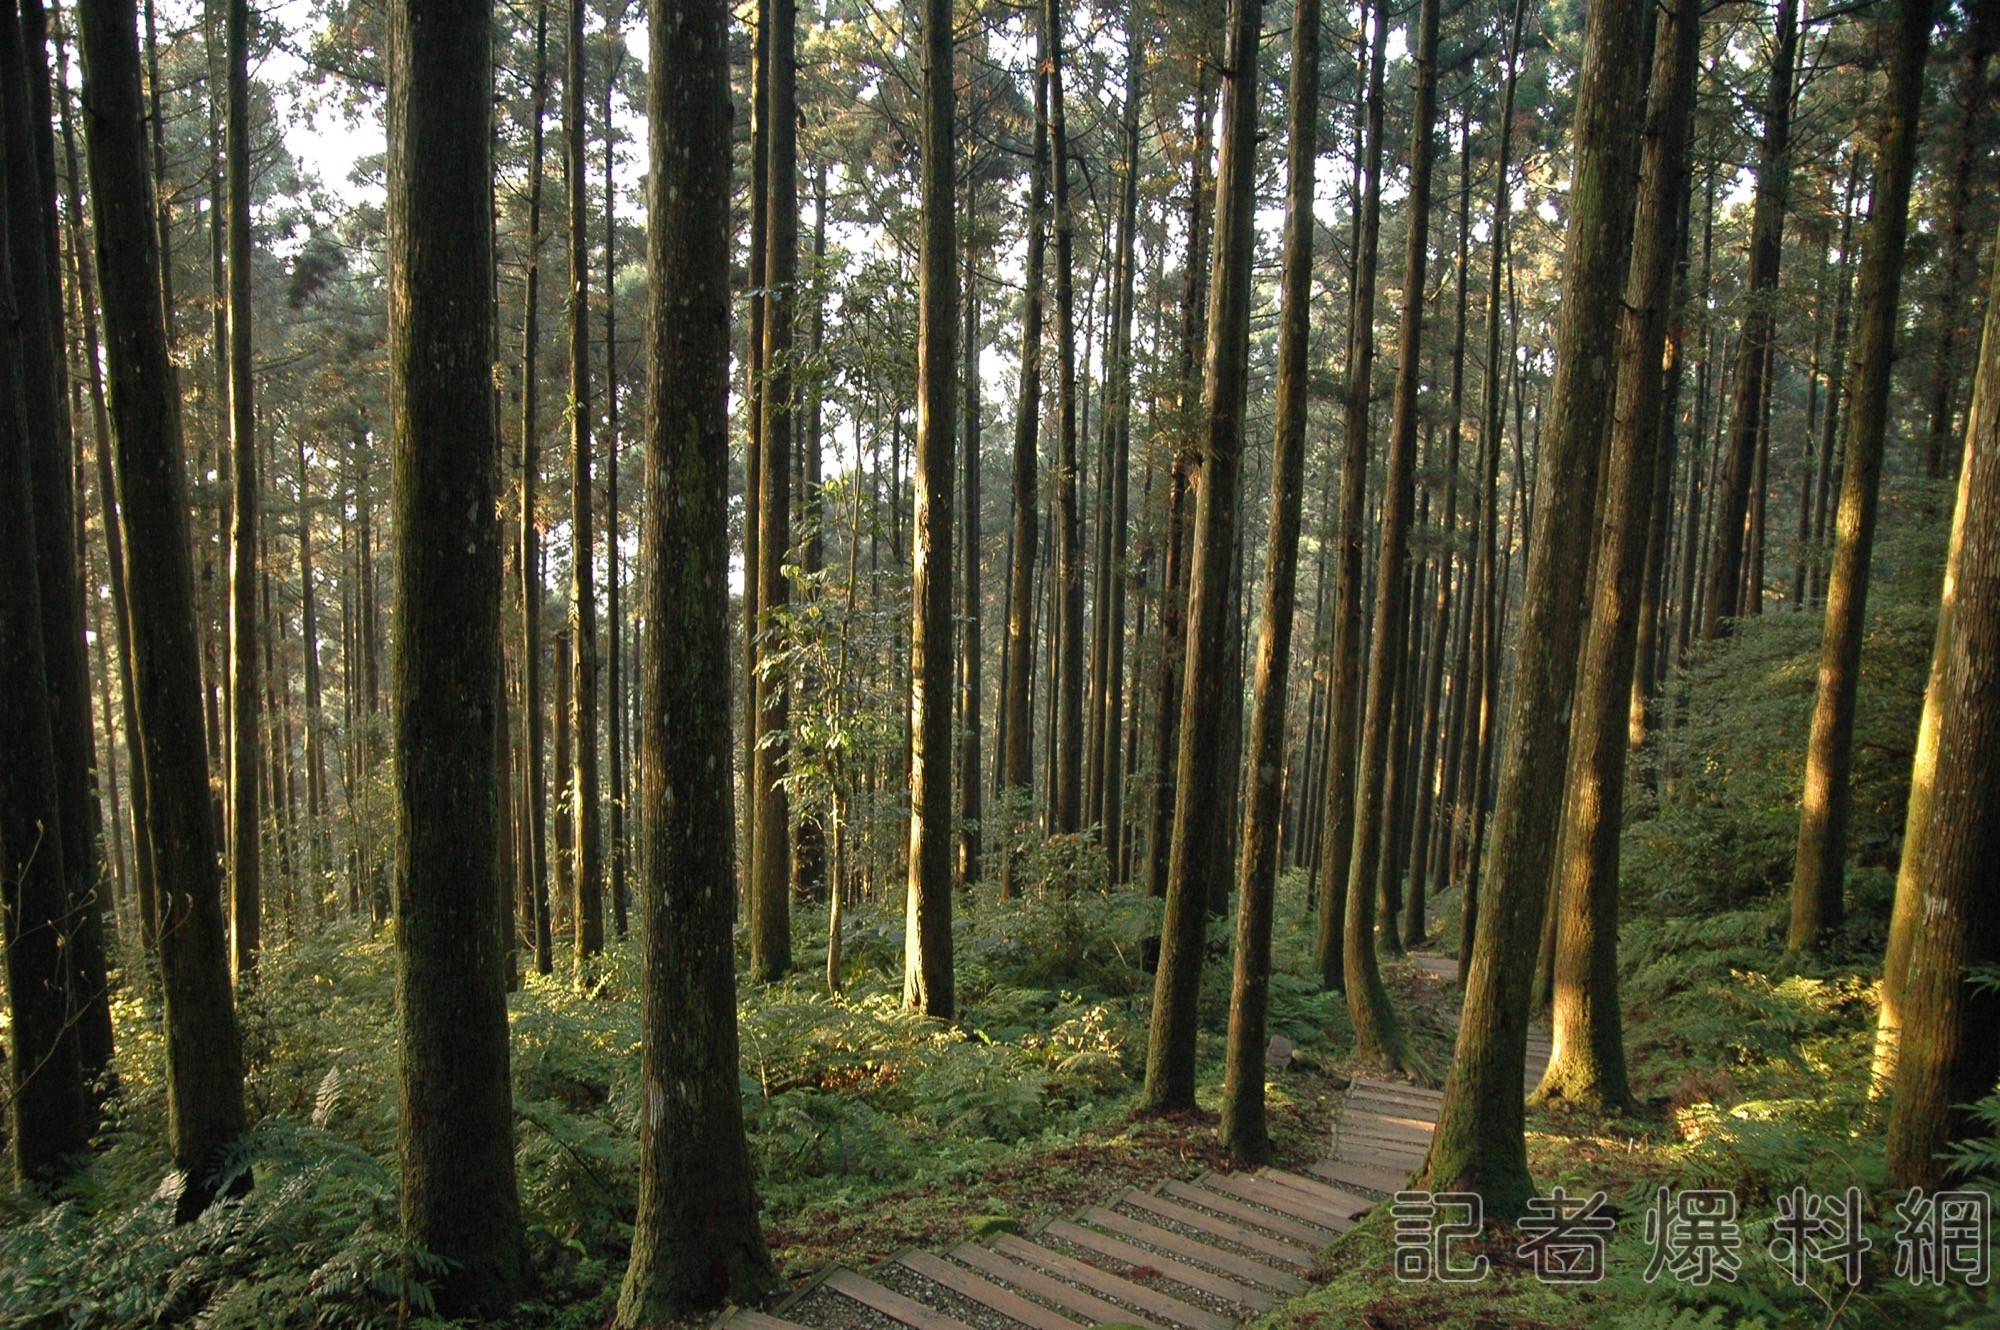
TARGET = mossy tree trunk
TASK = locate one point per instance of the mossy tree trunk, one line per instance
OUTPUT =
(927, 960)
(1946, 1056)
(1820, 862)
(456, 1111)
(695, 1241)
(204, 1050)
(1479, 1144)
(1243, 1124)
(1588, 1064)
(1199, 825)
(1376, 1036)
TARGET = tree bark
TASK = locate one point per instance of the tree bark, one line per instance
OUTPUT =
(1017, 739)
(1348, 681)
(536, 776)
(927, 960)
(771, 850)
(456, 1130)
(48, 1110)
(1946, 1057)
(695, 1241)
(1588, 1062)
(1066, 798)
(1767, 234)
(204, 1051)
(246, 913)
(589, 870)
(1376, 1035)
(1479, 1144)
(1244, 1129)
(1820, 862)
(1198, 824)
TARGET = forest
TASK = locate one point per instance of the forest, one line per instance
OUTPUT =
(972, 665)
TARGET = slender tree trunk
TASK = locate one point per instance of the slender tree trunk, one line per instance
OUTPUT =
(1198, 823)
(1822, 844)
(1017, 711)
(615, 689)
(1173, 563)
(1066, 798)
(1377, 1038)
(246, 914)
(589, 883)
(1479, 1144)
(927, 959)
(563, 670)
(531, 534)
(1588, 1063)
(1489, 586)
(1829, 467)
(1767, 234)
(1946, 1057)
(970, 807)
(753, 440)
(204, 1052)
(809, 833)
(1244, 1129)
(1430, 727)
(456, 1137)
(1348, 680)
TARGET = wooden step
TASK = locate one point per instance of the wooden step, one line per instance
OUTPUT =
(1094, 1310)
(1116, 1249)
(1291, 1253)
(1111, 1286)
(1379, 1122)
(1361, 1145)
(1308, 1235)
(983, 1291)
(1282, 1199)
(889, 1302)
(1332, 1199)
(1397, 1092)
(1166, 1239)
(744, 1318)
(1354, 1173)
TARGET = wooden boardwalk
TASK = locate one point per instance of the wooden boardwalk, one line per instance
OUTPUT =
(1201, 1255)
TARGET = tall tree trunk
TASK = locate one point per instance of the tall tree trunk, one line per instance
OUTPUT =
(809, 834)
(1588, 1063)
(753, 438)
(927, 960)
(531, 532)
(1198, 823)
(589, 883)
(1066, 797)
(32, 239)
(1946, 1056)
(1348, 681)
(1107, 693)
(1767, 234)
(615, 689)
(1243, 1124)
(1820, 863)
(1017, 711)
(1430, 728)
(1479, 1144)
(246, 913)
(970, 806)
(563, 670)
(1173, 560)
(456, 1137)
(1829, 432)
(771, 851)
(1488, 585)
(48, 1113)
(695, 1241)
(204, 1051)
(1377, 1038)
